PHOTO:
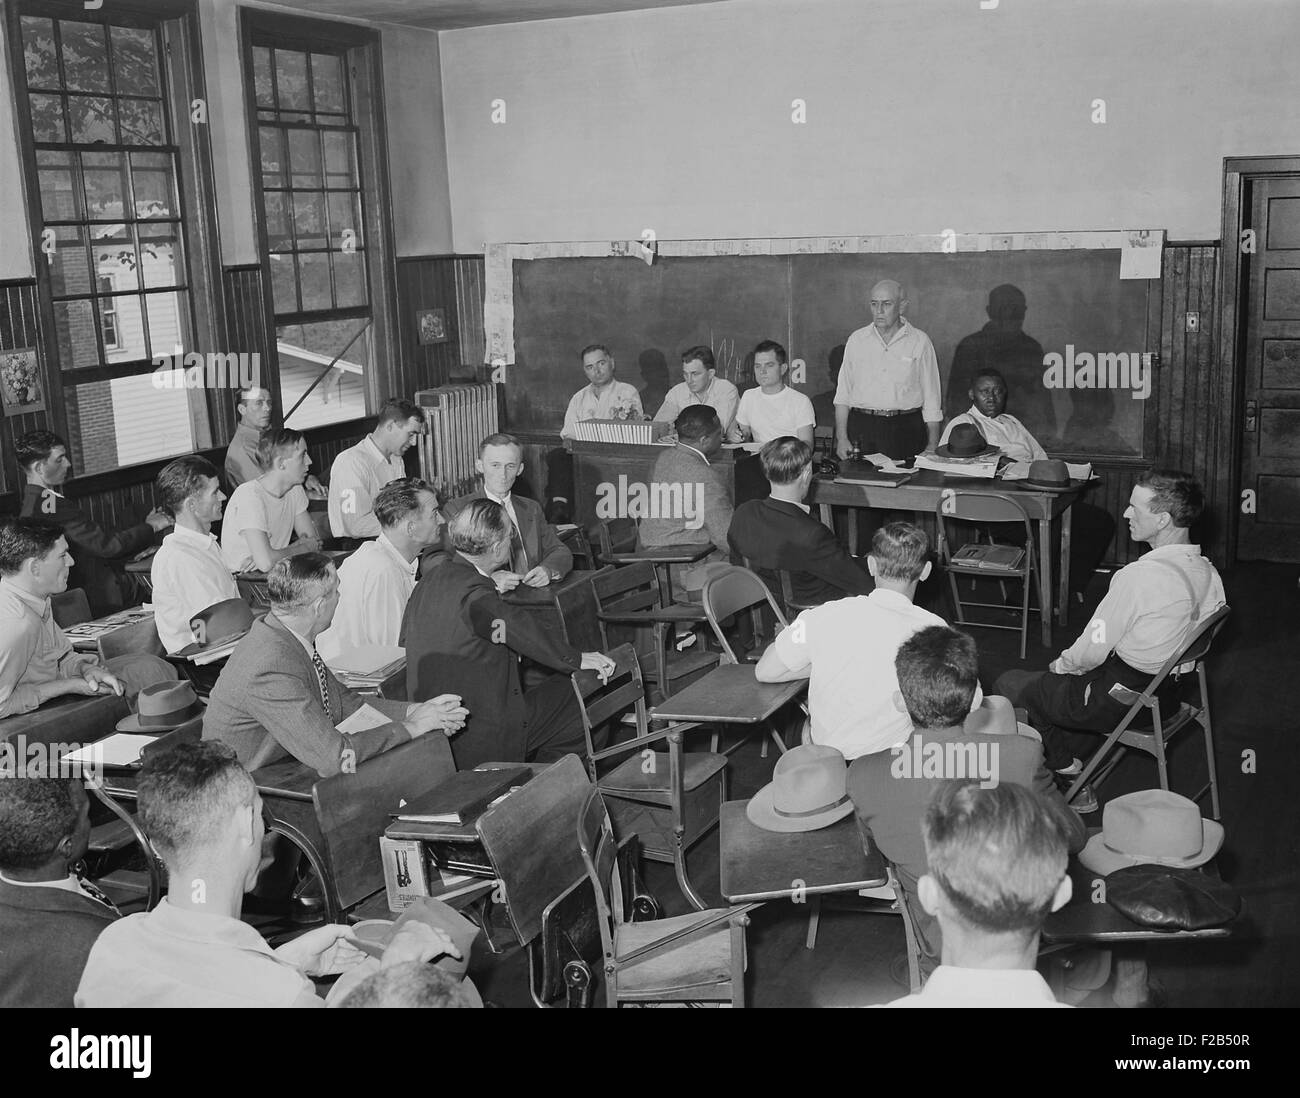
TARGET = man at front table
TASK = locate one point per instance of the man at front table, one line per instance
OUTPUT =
(888, 399)
(537, 555)
(701, 385)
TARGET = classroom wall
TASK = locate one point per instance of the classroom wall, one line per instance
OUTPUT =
(921, 116)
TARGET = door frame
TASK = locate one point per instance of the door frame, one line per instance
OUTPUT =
(1228, 382)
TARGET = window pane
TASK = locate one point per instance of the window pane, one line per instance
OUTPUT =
(309, 219)
(304, 158)
(128, 326)
(327, 80)
(105, 192)
(38, 52)
(291, 80)
(74, 331)
(350, 279)
(155, 190)
(168, 330)
(127, 421)
(161, 261)
(92, 120)
(135, 66)
(314, 279)
(113, 247)
(142, 121)
(70, 271)
(85, 56)
(340, 170)
(60, 195)
(271, 142)
(263, 81)
(304, 351)
(278, 237)
(47, 118)
(343, 219)
(284, 284)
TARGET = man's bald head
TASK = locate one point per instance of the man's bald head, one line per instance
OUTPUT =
(886, 304)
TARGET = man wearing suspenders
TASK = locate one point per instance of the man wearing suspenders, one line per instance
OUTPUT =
(1149, 613)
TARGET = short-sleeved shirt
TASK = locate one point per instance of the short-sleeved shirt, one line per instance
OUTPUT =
(721, 396)
(896, 376)
(776, 415)
(586, 403)
(188, 575)
(252, 507)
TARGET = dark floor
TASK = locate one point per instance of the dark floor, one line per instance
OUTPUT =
(1255, 701)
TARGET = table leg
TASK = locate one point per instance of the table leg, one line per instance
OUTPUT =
(1045, 577)
(814, 918)
(1063, 610)
(853, 531)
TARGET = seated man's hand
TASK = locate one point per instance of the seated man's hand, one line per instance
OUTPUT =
(324, 951)
(506, 581)
(418, 942)
(537, 577)
(158, 520)
(443, 712)
(600, 663)
(314, 488)
(843, 447)
(103, 681)
(308, 544)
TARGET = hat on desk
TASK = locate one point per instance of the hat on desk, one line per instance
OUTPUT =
(162, 706)
(965, 441)
(808, 791)
(1049, 476)
(221, 622)
(1152, 826)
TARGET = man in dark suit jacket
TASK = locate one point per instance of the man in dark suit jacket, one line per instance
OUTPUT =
(459, 634)
(779, 533)
(937, 675)
(270, 699)
(49, 918)
(43, 458)
(537, 555)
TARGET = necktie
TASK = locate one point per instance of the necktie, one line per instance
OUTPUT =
(322, 682)
(91, 890)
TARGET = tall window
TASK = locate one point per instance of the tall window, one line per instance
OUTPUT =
(113, 233)
(316, 255)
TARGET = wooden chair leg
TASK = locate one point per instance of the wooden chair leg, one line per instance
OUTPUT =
(814, 920)
(1209, 743)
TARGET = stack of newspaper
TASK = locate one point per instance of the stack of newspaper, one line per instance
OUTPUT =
(367, 667)
(631, 431)
(984, 467)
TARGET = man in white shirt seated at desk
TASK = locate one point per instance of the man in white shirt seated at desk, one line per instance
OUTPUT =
(375, 582)
(701, 385)
(1091, 528)
(188, 573)
(264, 514)
(997, 868)
(361, 470)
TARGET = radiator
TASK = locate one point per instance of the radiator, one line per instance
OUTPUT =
(458, 418)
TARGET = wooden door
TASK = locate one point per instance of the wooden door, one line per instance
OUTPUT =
(1270, 363)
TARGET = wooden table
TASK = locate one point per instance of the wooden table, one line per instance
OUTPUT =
(729, 694)
(663, 557)
(85, 635)
(923, 493)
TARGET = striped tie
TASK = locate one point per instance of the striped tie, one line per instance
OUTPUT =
(322, 682)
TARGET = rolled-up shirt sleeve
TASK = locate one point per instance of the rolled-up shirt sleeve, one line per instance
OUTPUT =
(17, 646)
(931, 396)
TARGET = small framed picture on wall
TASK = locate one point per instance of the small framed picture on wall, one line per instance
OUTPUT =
(20, 382)
(432, 324)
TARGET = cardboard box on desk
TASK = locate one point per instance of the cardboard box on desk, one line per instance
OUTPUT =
(406, 873)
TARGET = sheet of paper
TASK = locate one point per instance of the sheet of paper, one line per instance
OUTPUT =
(119, 749)
(1017, 470)
(365, 717)
(1079, 471)
(1140, 255)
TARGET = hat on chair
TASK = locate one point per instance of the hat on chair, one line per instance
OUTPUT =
(162, 706)
(1049, 476)
(221, 622)
(1152, 826)
(808, 790)
(965, 441)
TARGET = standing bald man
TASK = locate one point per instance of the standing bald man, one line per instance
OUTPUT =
(888, 398)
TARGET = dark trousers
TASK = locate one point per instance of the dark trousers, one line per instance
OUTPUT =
(751, 481)
(1059, 705)
(899, 437)
(559, 477)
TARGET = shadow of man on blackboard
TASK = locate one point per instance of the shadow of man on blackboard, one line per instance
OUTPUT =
(1091, 426)
(654, 371)
(824, 403)
(1003, 345)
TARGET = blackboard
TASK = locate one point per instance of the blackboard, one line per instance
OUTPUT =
(812, 302)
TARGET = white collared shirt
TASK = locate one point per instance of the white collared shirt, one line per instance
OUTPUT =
(899, 375)
(375, 584)
(188, 575)
(355, 479)
(849, 647)
(949, 986)
(586, 403)
(33, 650)
(722, 396)
(1005, 432)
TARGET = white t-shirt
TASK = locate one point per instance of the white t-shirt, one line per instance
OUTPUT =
(770, 417)
(252, 507)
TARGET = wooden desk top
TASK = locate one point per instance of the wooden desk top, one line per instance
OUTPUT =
(729, 694)
(287, 779)
(532, 597)
(663, 554)
(921, 493)
(643, 451)
(769, 865)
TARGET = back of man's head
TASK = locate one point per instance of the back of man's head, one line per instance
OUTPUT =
(21, 539)
(480, 525)
(697, 421)
(295, 582)
(188, 796)
(277, 442)
(398, 500)
(410, 984)
(938, 672)
(35, 815)
(35, 446)
(901, 551)
(1175, 493)
(997, 854)
(784, 459)
(181, 479)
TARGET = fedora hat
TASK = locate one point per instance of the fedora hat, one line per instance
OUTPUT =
(1152, 827)
(162, 706)
(965, 441)
(1049, 476)
(221, 622)
(808, 790)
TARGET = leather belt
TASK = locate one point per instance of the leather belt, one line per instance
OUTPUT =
(887, 411)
